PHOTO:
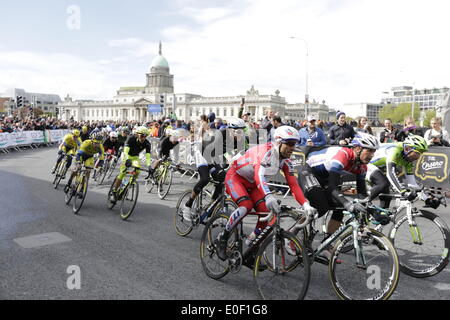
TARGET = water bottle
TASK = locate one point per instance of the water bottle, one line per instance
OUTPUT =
(252, 236)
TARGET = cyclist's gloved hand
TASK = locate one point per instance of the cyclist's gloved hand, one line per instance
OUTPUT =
(272, 204)
(100, 163)
(432, 203)
(410, 195)
(128, 163)
(310, 211)
(381, 217)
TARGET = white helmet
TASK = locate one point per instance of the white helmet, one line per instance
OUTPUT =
(286, 133)
(113, 134)
(365, 140)
(236, 123)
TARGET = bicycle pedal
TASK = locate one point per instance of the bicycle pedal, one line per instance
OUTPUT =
(235, 262)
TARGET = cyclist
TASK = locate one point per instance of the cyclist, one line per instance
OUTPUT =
(247, 185)
(124, 133)
(84, 133)
(69, 146)
(392, 157)
(216, 163)
(86, 154)
(170, 141)
(321, 175)
(110, 145)
(134, 145)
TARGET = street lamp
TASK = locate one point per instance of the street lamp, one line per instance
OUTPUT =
(307, 71)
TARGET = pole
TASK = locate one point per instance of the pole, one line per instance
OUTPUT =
(307, 75)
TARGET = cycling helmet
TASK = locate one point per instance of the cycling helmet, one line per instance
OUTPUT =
(142, 130)
(417, 143)
(236, 123)
(84, 129)
(286, 133)
(76, 132)
(113, 134)
(97, 137)
(365, 140)
(125, 129)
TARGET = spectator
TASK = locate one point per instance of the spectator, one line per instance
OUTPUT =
(389, 134)
(312, 135)
(341, 133)
(409, 127)
(267, 121)
(363, 126)
(437, 136)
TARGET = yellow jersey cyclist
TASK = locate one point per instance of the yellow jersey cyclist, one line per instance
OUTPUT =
(391, 157)
(69, 146)
(86, 154)
(134, 145)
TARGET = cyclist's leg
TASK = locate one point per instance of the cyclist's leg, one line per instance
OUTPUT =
(217, 172)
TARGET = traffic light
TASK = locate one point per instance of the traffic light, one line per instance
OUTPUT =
(162, 100)
(20, 101)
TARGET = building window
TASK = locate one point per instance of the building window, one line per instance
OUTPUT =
(107, 113)
(98, 112)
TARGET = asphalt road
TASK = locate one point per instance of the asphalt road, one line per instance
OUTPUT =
(142, 258)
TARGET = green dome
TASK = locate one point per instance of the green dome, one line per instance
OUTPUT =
(159, 62)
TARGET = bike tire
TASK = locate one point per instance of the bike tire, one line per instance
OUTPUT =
(69, 195)
(371, 276)
(110, 204)
(134, 189)
(111, 169)
(208, 250)
(78, 203)
(440, 244)
(166, 179)
(292, 281)
(105, 172)
(182, 227)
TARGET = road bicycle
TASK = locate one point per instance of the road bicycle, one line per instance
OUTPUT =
(421, 238)
(61, 171)
(108, 167)
(203, 208)
(162, 178)
(127, 193)
(78, 189)
(369, 270)
(276, 256)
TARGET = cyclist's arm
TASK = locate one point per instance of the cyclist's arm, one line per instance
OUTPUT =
(293, 184)
(102, 152)
(391, 174)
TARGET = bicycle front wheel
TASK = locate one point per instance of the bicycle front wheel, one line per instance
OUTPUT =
(80, 194)
(62, 170)
(423, 248)
(129, 200)
(183, 227)
(164, 183)
(104, 173)
(213, 266)
(376, 278)
(282, 268)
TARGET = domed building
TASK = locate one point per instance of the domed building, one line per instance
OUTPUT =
(132, 103)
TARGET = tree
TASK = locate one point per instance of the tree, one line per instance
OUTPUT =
(398, 113)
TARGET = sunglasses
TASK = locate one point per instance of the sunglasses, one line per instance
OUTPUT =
(291, 143)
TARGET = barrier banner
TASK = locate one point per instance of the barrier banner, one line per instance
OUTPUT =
(5, 141)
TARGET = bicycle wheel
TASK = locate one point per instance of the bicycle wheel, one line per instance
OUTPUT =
(282, 268)
(183, 227)
(326, 220)
(111, 169)
(104, 173)
(69, 195)
(109, 203)
(164, 183)
(423, 249)
(377, 279)
(80, 194)
(57, 173)
(213, 266)
(61, 172)
(129, 199)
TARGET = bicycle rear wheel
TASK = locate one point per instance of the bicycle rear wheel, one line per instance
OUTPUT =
(80, 194)
(129, 200)
(164, 183)
(228, 207)
(111, 169)
(104, 173)
(183, 227)
(282, 268)
(423, 249)
(377, 279)
(213, 266)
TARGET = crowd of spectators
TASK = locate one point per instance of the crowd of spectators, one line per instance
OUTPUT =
(313, 132)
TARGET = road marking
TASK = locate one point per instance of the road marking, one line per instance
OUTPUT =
(41, 240)
(442, 286)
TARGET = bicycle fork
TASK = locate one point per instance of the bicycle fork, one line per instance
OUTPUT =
(357, 243)
(413, 228)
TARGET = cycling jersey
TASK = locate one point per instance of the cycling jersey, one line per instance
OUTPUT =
(88, 149)
(70, 142)
(111, 145)
(390, 157)
(265, 160)
(165, 147)
(135, 147)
